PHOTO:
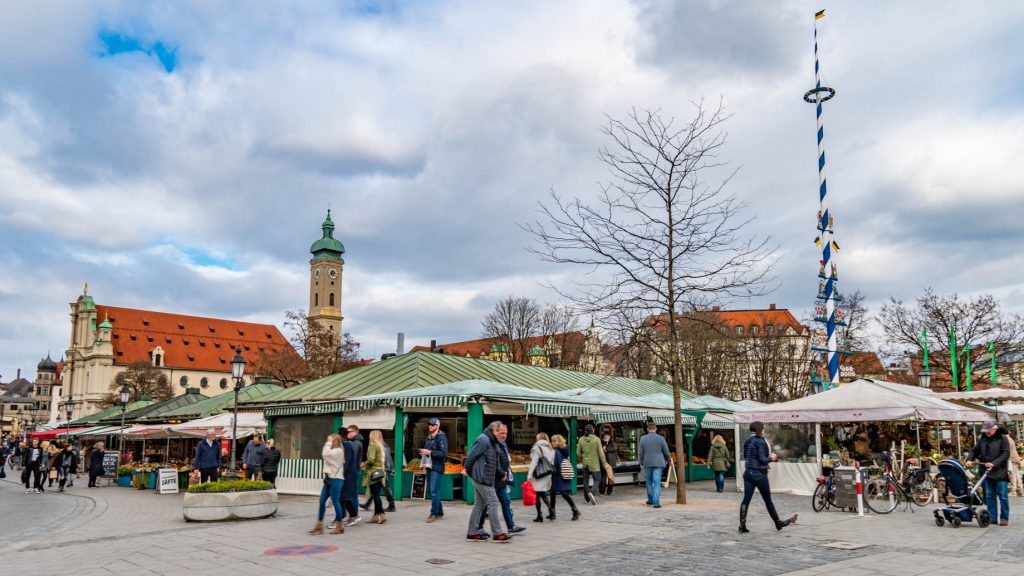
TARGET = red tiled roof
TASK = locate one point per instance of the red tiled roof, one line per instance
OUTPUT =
(474, 348)
(865, 364)
(747, 318)
(189, 342)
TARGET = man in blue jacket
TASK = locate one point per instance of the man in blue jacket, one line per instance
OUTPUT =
(436, 449)
(654, 456)
(208, 457)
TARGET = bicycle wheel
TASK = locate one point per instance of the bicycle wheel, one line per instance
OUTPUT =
(820, 498)
(881, 495)
(921, 494)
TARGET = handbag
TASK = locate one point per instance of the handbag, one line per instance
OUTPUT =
(543, 468)
(376, 476)
(53, 474)
(567, 470)
(529, 494)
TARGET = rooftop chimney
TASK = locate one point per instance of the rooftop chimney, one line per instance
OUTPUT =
(716, 308)
(771, 306)
(433, 345)
(401, 343)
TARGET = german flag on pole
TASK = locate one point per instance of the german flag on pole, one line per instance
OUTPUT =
(819, 15)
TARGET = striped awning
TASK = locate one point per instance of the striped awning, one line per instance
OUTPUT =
(445, 401)
(555, 409)
(620, 416)
(714, 421)
(688, 421)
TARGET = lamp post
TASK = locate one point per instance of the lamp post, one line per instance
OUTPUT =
(31, 428)
(19, 417)
(125, 393)
(69, 406)
(237, 371)
(924, 379)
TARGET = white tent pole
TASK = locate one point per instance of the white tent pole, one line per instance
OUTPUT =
(817, 440)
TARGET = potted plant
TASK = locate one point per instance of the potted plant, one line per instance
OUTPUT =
(230, 500)
(124, 476)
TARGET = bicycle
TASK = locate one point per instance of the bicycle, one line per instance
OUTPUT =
(913, 486)
(825, 494)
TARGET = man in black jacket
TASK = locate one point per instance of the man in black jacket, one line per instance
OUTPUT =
(993, 452)
(482, 466)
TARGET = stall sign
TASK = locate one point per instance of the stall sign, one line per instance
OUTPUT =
(167, 481)
(110, 463)
(419, 485)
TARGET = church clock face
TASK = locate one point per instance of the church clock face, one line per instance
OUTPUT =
(316, 273)
(333, 273)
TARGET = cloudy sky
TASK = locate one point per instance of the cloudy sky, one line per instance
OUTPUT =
(180, 156)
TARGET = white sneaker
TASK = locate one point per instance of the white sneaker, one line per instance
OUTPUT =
(27, 490)
(350, 521)
(38, 491)
(332, 525)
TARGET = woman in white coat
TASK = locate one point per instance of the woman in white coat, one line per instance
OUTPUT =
(542, 450)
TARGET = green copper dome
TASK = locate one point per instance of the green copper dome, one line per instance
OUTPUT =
(106, 323)
(499, 347)
(327, 248)
(535, 350)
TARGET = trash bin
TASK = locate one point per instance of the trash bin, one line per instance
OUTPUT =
(846, 486)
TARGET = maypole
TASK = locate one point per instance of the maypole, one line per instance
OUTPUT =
(826, 310)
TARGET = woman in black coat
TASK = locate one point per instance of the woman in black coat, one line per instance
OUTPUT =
(95, 464)
(67, 463)
(350, 488)
(270, 462)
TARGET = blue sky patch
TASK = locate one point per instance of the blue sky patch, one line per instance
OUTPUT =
(115, 43)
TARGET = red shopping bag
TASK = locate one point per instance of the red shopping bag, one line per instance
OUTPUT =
(529, 494)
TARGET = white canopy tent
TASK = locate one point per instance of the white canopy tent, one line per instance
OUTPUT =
(249, 423)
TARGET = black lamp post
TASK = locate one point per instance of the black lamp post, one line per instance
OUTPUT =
(237, 371)
(31, 428)
(69, 407)
(924, 379)
(20, 417)
(125, 393)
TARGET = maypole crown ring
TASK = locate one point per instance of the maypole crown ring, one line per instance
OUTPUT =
(810, 96)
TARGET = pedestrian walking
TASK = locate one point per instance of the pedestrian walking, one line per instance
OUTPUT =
(389, 469)
(757, 455)
(481, 466)
(43, 473)
(350, 489)
(32, 475)
(611, 457)
(560, 484)
(502, 481)
(207, 459)
(992, 451)
(542, 470)
(252, 458)
(1014, 469)
(719, 459)
(654, 457)
(52, 467)
(334, 477)
(270, 462)
(68, 466)
(78, 462)
(95, 463)
(435, 453)
(590, 454)
(375, 477)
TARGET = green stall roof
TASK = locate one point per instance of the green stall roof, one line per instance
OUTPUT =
(154, 412)
(217, 404)
(113, 411)
(423, 369)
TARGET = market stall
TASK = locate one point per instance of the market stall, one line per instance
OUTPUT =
(847, 414)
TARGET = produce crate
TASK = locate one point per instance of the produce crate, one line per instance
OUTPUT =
(124, 481)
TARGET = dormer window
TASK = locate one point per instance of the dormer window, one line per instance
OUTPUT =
(739, 329)
(753, 329)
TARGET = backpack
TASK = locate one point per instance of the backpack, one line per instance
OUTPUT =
(567, 469)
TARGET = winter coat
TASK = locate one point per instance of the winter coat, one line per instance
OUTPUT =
(482, 460)
(590, 453)
(374, 463)
(1014, 456)
(994, 449)
(560, 485)
(270, 461)
(756, 454)
(207, 456)
(254, 454)
(360, 445)
(503, 473)
(34, 457)
(541, 449)
(334, 461)
(350, 489)
(719, 457)
(611, 452)
(96, 463)
(654, 451)
(68, 461)
(438, 446)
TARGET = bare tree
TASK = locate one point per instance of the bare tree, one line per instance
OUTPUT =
(322, 352)
(975, 321)
(857, 317)
(564, 344)
(513, 322)
(143, 380)
(777, 366)
(664, 237)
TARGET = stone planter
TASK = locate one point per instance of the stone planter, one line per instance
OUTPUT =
(217, 507)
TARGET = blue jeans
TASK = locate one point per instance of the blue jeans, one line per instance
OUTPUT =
(997, 490)
(504, 498)
(334, 493)
(652, 476)
(720, 481)
(434, 488)
(757, 479)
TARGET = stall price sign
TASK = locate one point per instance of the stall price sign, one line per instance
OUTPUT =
(167, 481)
(419, 485)
(110, 464)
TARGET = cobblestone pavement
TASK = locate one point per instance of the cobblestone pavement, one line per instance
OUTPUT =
(115, 531)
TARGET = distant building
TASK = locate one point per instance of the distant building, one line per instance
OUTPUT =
(580, 351)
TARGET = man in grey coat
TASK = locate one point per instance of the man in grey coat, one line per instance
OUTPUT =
(482, 466)
(253, 456)
(654, 457)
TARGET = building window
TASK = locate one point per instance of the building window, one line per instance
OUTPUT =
(157, 359)
(768, 329)
(331, 298)
(316, 299)
(753, 328)
(204, 383)
(739, 329)
(183, 382)
(223, 383)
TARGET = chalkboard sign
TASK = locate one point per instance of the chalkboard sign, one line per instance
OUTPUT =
(110, 464)
(419, 485)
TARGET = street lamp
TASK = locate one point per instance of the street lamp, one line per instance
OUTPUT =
(69, 407)
(31, 428)
(19, 416)
(125, 393)
(237, 370)
(924, 379)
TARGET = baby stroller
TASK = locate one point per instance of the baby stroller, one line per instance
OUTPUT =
(966, 494)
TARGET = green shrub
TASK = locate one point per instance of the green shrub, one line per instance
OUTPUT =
(230, 486)
(124, 470)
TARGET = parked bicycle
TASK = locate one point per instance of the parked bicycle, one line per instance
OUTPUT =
(912, 485)
(825, 494)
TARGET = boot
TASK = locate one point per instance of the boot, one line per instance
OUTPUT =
(339, 528)
(780, 524)
(551, 508)
(540, 517)
(383, 519)
(318, 529)
(743, 519)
